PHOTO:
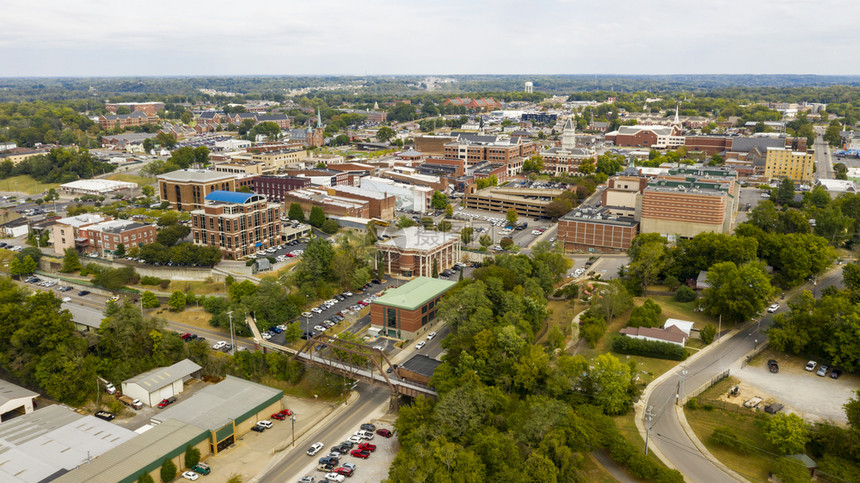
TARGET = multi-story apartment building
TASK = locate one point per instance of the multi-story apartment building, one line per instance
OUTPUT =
(186, 189)
(148, 108)
(275, 187)
(477, 148)
(136, 118)
(66, 231)
(785, 163)
(239, 224)
(103, 239)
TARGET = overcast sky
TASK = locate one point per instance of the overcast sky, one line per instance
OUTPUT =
(357, 37)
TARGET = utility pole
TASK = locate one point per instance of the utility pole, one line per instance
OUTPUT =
(293, 421)
(649, 416)
(683, 378)
(720, 328)
(232, 342)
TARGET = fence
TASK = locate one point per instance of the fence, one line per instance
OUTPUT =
(754, 352)
(725, 406)
(707, 385)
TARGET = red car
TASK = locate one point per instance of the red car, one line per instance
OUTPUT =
(164, 402)
(279, 416)
(384, 432)
(359, 453)
(285, 412)
(367, 447)
(343, 471)
(185, 336)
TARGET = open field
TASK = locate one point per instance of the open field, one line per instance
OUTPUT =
(131, 178)
(25, 183)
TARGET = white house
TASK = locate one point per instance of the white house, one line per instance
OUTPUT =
(685, 325)
(15, 398)
(160, 383)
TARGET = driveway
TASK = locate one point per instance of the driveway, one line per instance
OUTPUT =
(820, 399)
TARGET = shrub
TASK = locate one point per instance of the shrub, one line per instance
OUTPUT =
(646, 315)
(692, 404)
(592, 327)
(147, 280)
(708, 333)
(192, 456)
(168, 470)
(685, 294)
(790, 470)
(725, 436)
(648, 348)
(145, 478)
(672, 282)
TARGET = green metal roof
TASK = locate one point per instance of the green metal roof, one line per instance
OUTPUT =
(415, 293)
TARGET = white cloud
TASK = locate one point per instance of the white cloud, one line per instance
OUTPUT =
(159, 37)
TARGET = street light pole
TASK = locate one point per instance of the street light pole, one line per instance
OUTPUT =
(232, 342)
(293, 421)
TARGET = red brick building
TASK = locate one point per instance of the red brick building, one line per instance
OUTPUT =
(148, 108)
(591, 230)
(136, 118)
(475, 104)
(403, 311)
(275, 187)
(103, 239)
(239, 224)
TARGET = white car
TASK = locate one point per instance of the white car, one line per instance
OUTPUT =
(319, 328)
(362, 434)
(334, 477)
(265, 424)
(190, 475)
(219, 345)
(316, 310)
(67, 299)
(307, 314)
(315, 448)
(356, 439)
(810, 366)
(431, 335)
(773, 308)
(266, 335)
(420, 345)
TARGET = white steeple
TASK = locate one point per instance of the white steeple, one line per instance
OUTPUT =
(568, 135)
(677, 121)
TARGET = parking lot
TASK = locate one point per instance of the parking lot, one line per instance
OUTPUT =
(813, 397)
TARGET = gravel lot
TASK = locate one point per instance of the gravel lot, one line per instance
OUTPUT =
(812, 397)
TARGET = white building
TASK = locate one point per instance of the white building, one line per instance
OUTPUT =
(15, 398)
(100, 187)
(408, 197)
(837, 186)
(160, 383)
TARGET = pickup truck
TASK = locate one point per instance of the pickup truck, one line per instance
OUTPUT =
(135, 403)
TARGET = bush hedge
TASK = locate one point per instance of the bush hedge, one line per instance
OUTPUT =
(648, 348)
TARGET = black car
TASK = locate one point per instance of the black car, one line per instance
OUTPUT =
(83, 293)
(258, 429)
(368, 427)
(836, 373)
(773, 366)
(329, 460)
(107, 416)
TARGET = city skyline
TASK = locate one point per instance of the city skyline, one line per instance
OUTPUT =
(336, 37)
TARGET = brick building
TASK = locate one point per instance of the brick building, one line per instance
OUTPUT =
(239, 224)
(686, 207)
(414, 251)
(380, 205)
(476, 148)
(103, 239)
(475, 104)
(331, 204)
(403, 311)
(67, 231)
(186, 189)
(136, 118)
(566, 157)
(596, 230)
(148, 108)
(275, 187)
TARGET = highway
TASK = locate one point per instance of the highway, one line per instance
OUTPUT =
(667, 434)
(296, 463)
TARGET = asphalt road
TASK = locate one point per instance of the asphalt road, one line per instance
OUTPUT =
(823, 159)
(292, 465)
(667, 433)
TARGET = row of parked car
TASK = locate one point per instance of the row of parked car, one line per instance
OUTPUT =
(10, 247)
(823, 369)
(357, 445)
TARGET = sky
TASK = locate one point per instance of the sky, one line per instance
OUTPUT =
(443, 37)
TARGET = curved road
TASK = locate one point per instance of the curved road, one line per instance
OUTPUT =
(667, 434)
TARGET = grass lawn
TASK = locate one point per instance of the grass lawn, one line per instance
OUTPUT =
(593, 472)
(751, 463)
(197, 287)
(626, 425)
(680, 310)
(131, 178)
(25, 183)
(194, 316)
(561, 314)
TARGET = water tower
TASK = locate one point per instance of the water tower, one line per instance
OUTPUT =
(529, 87)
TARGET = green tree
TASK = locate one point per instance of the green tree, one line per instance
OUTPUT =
(790, 470)
(613, 387)
(444, 226)
(296, 212)
(449, 211)
(120, 250)
(71, 261)
(330, 226)
(149, 300)
(384, 134)
(405, 222)
(611, 300)
(646, 315)
(439, 200)
(852, 411)
(512, 217)
(787, 432)
(19, 267)
(177, 301)
(506, 243)
(648, 257)
(466, 234)
(785, 192)
(708, 333)
(168, 470)
(685, 294)
(145, 478)
(317, 216)
(147, 190)
(737, 292)
(833, 134)
(533, 164)
(192, 456)
(851, 276)
(485, 240)
(586, 166)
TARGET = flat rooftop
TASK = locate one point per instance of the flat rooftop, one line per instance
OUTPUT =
(417, 238)
(200, 175)
(416, 293)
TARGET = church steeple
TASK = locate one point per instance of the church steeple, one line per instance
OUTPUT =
(319, 118)
(677, 121)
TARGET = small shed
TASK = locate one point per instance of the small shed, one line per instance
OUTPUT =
(418, 369)
(14, 398)
(160, 383)
(702, 280)
(810, 464)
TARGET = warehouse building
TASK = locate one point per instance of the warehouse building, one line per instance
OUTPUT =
(98, 187)
(227, 410)
(160, 383)
(54, 440)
